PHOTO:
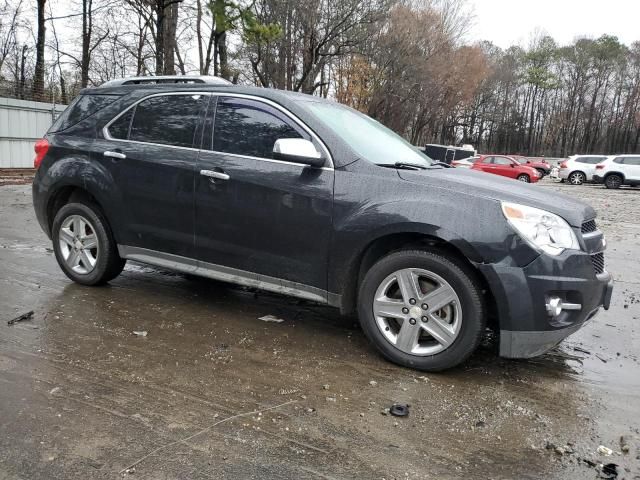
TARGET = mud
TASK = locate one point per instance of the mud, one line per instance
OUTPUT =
(81, 396)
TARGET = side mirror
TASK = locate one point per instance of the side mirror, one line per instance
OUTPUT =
(513, 165)
(297, 150)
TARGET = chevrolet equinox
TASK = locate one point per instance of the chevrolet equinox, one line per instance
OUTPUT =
(302, 196)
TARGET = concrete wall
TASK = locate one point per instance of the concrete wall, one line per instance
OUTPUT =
(22, 122)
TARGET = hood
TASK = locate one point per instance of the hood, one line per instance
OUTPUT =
(485, 185)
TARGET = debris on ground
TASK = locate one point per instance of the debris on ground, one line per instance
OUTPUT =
(140, 333)
(601, 358)
(602, 450)
(610, 470)
(21, 318)
(624, 444)
(288, 391)
(582, 350)
(373, 383)
(399, 409)
(271, 318)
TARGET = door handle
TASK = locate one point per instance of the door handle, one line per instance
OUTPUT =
(214, 174)
(116, 155)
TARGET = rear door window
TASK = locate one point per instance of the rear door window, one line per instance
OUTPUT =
(83, 106)
(167, 119)
(250, 127)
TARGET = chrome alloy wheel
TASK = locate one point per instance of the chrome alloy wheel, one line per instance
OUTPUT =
(417, 311)
(78, 244)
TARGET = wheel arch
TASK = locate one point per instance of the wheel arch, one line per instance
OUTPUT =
(70, 193)
(615, 172)
(457, 250)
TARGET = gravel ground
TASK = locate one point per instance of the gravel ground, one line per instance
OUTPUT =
(213, 392)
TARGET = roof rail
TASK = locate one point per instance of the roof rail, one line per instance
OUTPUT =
(166, 79)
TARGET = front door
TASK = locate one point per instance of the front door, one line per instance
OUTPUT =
(149, 151)
(260, 218)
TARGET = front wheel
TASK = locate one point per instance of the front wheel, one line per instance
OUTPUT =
(523, 177)
(422, 309)
(613, 181)
(84, 246)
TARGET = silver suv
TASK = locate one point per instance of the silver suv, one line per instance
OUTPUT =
(579, 169)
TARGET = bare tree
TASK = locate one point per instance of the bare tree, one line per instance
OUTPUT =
(38, 75)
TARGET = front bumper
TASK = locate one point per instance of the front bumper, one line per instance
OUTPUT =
(522, 294)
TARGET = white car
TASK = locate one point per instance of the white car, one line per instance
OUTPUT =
(618, 170)
(464, 162)
(579, 169)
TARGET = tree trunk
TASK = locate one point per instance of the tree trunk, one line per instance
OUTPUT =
(86, 42)
(170, 27)
(38, 76)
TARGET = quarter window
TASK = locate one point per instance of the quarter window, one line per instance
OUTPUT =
(120, 128)
(166, 119)
(251, 128)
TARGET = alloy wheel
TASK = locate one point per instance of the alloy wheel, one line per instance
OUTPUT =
(417, 311)
(524, 178)
(78, 244)
(613, 181)
(576, 178)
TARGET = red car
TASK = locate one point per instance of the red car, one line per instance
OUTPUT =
(542, 166)
(507, 167)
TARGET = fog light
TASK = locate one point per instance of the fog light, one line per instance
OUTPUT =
(555, 306)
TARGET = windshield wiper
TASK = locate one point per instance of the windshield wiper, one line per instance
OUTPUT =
(403, 165)
(441, 164)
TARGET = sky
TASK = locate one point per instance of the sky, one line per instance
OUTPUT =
(514, 22)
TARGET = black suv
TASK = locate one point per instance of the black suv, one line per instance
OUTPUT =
(302, 196)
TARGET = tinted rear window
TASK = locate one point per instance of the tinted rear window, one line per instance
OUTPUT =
(83, 106)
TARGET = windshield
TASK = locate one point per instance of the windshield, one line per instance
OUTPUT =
(370, 140)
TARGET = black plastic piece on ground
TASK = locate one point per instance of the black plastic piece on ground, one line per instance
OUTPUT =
(399, 409)
(24, 316)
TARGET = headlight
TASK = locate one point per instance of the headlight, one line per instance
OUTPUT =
(543, 230)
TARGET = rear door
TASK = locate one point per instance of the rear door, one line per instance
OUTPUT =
(632, 169)
(258, 217)
(150, 151)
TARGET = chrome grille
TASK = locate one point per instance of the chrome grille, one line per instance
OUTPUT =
(590, 226)
(598, 262)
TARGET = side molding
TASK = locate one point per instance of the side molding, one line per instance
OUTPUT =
(225, 274)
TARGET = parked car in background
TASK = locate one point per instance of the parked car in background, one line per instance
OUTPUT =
(465, 162)
(507, 167)
(448, 153)
(579, 169)
(618, 170)
(542, 166)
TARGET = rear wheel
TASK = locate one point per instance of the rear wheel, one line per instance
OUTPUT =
(523, 177)
(613, 181)
(84, 246)
(542, 172)
(577, 178)
(422, 309)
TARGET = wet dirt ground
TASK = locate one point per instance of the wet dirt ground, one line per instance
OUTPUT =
(213, 392)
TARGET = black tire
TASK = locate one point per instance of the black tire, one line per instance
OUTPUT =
(108, 263)
(613, 181)
(576, 178)
(460, 277)
(523, 177)
(542, 172)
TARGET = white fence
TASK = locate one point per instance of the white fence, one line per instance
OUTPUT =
(21, 123)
